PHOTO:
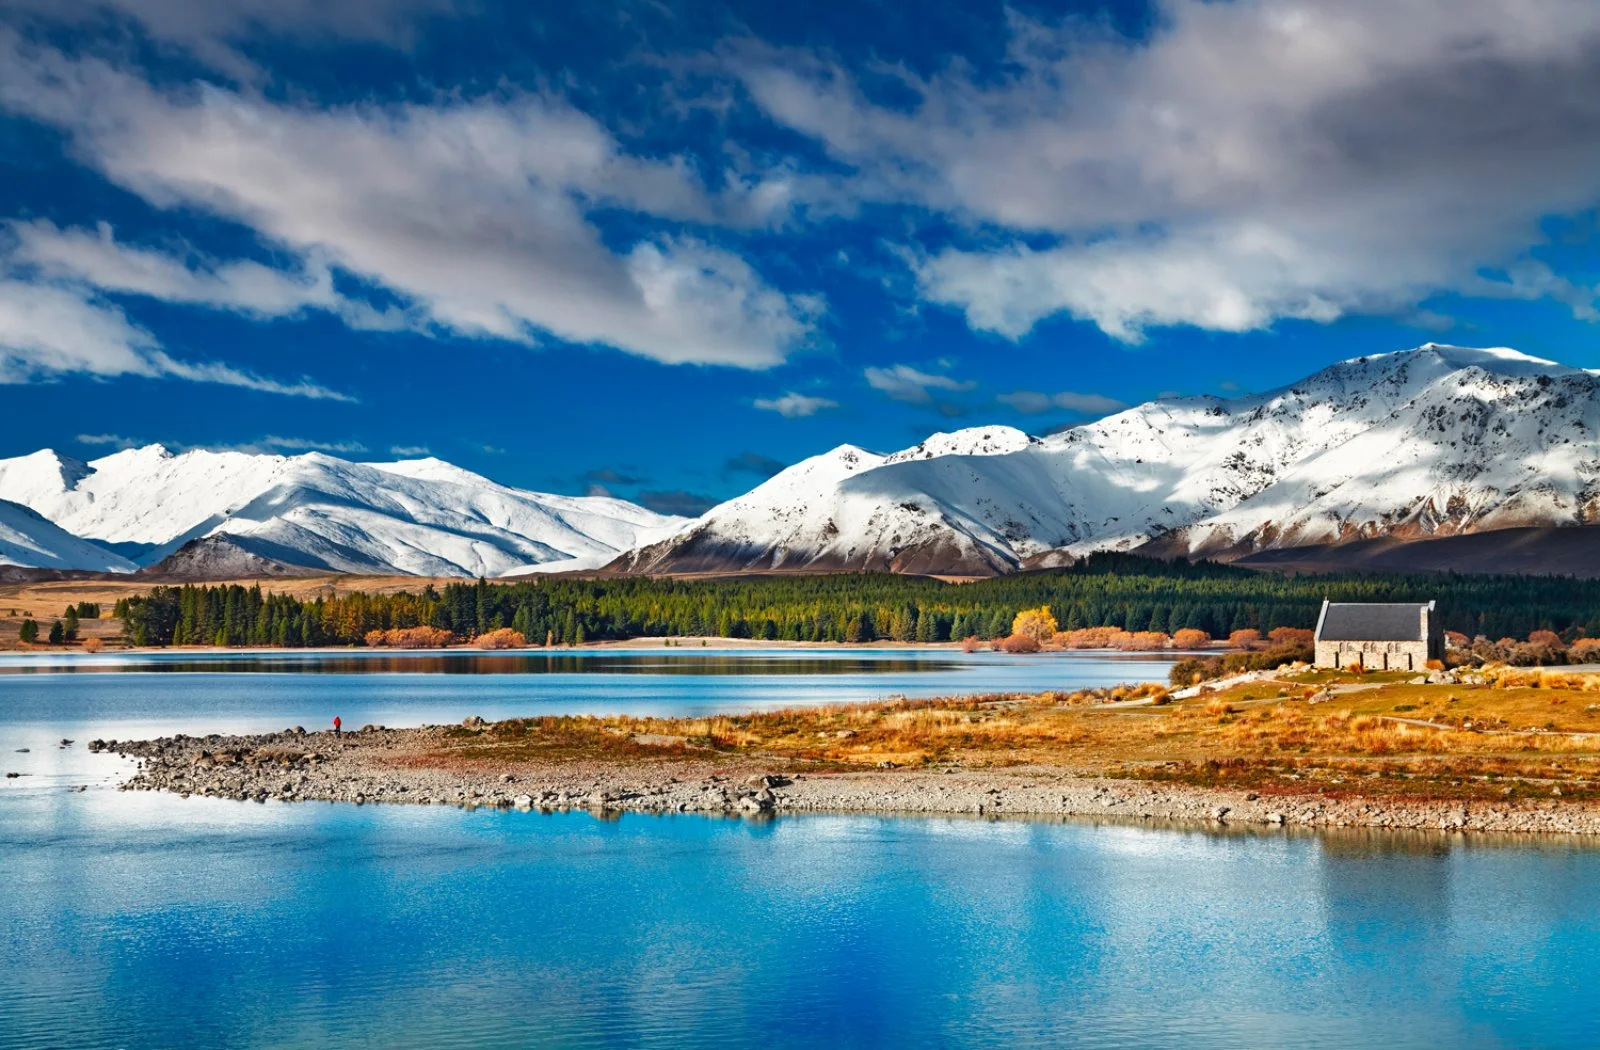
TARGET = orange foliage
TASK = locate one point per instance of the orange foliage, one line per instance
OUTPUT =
(1584, 651)
(1245, 639)
(1113, 638)
(93, 645)
(1090, 637)
(502, 638)
(1020, 643)
(410, 638)
(1190, 638)
(1290, 637)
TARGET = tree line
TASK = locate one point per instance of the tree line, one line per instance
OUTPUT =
(1109, 590)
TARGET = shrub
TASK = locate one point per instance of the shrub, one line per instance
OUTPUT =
(1020, 643)
(1195, 670)
(1235, 663)
(93, 645)
(1038, 624)
(1290, 637)
(970, 644)
(1142, 641)
(411, 638)
(1090, 637)
(1584, 651)
(1355, 668)
(1434, 665)
(1190, 638)
(1245, 639)
(502, 638)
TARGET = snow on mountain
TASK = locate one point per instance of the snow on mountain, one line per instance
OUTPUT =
(421, 517)
(31, 541)
(1436, 440)
(827, 513)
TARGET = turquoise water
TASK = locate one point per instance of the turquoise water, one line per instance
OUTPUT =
(151, 921)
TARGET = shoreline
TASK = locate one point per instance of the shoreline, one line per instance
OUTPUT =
(400, 766)
(633, 645)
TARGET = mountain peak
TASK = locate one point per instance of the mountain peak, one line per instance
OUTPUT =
(969, 441)
(1502, 360)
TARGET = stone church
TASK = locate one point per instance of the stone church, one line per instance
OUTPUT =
(1389, 636)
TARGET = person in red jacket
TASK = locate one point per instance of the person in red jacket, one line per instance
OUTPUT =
(336, 725)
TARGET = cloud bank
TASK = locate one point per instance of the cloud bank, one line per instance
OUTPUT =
(1246, 162)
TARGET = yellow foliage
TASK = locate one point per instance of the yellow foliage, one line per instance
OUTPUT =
(1038, 624)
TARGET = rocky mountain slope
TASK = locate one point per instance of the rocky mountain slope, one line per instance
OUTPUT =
(421, 517)
(1434, 441)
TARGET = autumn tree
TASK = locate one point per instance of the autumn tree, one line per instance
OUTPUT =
(1247, 638)
(1038, 624)
(1190, 638)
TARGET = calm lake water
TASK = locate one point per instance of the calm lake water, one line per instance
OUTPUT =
(152, 921)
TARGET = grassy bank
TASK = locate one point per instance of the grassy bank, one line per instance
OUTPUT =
(1321, 733)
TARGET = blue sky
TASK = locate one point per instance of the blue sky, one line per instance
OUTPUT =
(662, 249)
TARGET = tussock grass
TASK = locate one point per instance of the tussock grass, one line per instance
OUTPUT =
(1462, 741)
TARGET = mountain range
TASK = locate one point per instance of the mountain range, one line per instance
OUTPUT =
(1436, 457)
(268, 513)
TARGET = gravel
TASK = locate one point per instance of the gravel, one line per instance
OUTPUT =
(379, 765)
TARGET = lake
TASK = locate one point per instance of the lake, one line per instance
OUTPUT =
(143, 920)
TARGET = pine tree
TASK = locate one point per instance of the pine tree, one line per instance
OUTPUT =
(58, 633)
(30, 631)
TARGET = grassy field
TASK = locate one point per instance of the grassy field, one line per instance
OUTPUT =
(46, 601)
(1335, 734)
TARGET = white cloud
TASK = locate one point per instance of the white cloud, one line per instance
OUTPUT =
(1032, 402)
(114, 440)
(211, 30)
(276, 443)
(50, 330)
(97, 259)
(1245, 162)
(410, 450)
(904, 383)
(474, 212)
(795, 406)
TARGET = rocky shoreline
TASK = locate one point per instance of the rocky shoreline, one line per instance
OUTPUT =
(400, 766)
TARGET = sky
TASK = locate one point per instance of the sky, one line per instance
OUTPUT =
(662, 249)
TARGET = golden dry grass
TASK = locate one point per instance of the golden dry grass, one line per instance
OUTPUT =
(1435, 741)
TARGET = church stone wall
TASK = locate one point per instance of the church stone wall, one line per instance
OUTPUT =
(1374, 656)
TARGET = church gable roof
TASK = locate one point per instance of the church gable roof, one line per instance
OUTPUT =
(1375, 622)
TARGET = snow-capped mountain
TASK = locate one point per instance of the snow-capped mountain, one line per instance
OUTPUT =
(421, 517)
(29, 540)
(1438, 440)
